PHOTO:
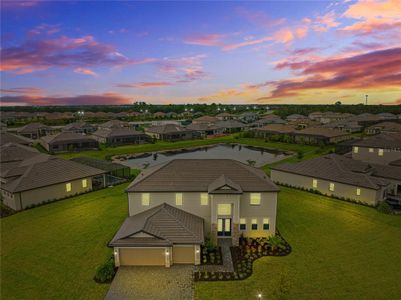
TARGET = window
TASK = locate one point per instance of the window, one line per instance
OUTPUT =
(68, 187)
(371, 150)
(356, 149)
(314, 183)
(224, 209)
(331, 187)
(254, 224)
(381, 152)
(145, 199)
(178, 199)
(204, 198)
(84, 183)
(255, 198)
(358, 191)
(266, 225)
(242, 224)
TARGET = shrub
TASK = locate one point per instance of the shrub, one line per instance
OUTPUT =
(384, 207)
(275, 242)
(105, 272)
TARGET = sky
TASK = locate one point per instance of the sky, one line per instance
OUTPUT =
(266, 52)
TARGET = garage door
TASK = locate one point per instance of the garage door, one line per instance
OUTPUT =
(184, 254)
(142, 257)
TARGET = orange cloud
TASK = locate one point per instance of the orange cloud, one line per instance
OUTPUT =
(141, 85)
(84, 71)
(205, 39)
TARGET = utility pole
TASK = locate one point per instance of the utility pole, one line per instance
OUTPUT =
(366, 99)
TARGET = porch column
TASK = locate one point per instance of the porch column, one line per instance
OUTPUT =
(197, 254)
(116, 257)
(168, 252)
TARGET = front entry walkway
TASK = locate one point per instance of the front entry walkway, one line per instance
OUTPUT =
(152, 283)
(227, 265)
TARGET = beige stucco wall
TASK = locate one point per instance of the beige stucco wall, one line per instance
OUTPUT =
(368, 196)
(241, 208)
(48, 193)
(373, 157)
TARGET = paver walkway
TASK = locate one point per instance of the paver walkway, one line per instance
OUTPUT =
(227, 265)
(152, 283)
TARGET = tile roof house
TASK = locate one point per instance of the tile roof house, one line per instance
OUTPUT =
(79, 127)
(120, 136)
(172, 206)
(344, 125)
(35, 130)
(29, 177)
(383, 148)
(295, 117)
(391, 127)
(231, 125)
(170, 132)
(7, 137)
(114, 124)
(205, 120)
(68, 142)
(205, 129)
(341, 177)
(249, 117)
(226, 116)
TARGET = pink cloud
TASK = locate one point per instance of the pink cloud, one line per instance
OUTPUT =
(184, 69)
(44, 29)
(284, 36)
(259, 18)
(141, 85)
(205, 39)
(325, 22)
(22, 91)
(84, 71)
(83, 52)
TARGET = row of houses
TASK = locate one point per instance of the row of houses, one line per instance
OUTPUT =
(369, 174)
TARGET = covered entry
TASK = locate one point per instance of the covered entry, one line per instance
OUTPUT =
(142, 256)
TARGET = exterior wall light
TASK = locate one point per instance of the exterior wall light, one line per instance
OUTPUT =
(197, 251)
(167, 253)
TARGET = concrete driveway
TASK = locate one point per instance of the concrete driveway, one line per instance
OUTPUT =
(152, 283)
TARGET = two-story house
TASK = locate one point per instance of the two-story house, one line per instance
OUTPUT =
(175, 205)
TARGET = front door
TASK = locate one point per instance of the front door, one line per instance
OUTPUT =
(224, 227)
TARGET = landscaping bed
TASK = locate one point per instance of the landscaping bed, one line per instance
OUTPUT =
(211, 256)
(249, 249)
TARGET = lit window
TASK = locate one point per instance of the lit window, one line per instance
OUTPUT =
(220, 225)
(381, 152)
(224, 209)
(371, 150)
(84, 183)
(255, 198)
(204, 198)
(68, 187)
(331, 187)
(314, 183)
(242, 224)
(254, 224)
(358, 191)
(356, 149)
(178, 199)
(266, 225)
(145, 199)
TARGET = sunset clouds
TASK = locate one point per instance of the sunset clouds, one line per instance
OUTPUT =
(240, 52)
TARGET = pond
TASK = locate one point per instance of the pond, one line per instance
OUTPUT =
(242, 153)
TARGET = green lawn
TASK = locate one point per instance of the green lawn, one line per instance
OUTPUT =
(340, 250)
(105, 152)
(51, 252)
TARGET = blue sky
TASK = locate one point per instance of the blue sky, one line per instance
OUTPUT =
(61, 52)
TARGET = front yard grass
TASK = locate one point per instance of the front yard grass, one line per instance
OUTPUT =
(339, 250)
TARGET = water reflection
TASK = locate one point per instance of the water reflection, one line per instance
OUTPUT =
(258, 156)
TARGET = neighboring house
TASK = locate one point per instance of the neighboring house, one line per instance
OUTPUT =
(226, 116)
(68, 142)
(266, 121)
(231, 126)
(114, 124)
(342, 177)
(295, 117)
(205, 120)
(35, 130)
(383, 148)
(7, 137)
(366, 119)
(173, 206)
(205, 129)
(170, 132)
(275, 130)
(315, 135)
(159, 115)
(120, 136)
(3, 127)
(391, 127)
(248, 117)
(346, 126)
(329, 117)
(315, 116)
(387, 116)
(171, 115)
(80, 127)
(29, 178)
(111, 168)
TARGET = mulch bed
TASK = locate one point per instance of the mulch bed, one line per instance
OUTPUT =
(208, 255)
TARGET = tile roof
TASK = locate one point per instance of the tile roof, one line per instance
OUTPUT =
(66, 137)
(340, 169)
(33, 128)
(319, 131)
(7, 137)
(386, 126)
(165, 224)
(196, 175)
(383, 140)
(230, 124)
(166, 129)
(116, 132)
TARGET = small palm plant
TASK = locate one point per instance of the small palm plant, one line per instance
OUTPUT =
(275, 242)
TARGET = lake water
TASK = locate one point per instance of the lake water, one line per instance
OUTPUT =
(238, 152)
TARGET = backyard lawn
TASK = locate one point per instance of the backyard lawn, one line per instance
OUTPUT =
(106, 152)
(340, 250)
